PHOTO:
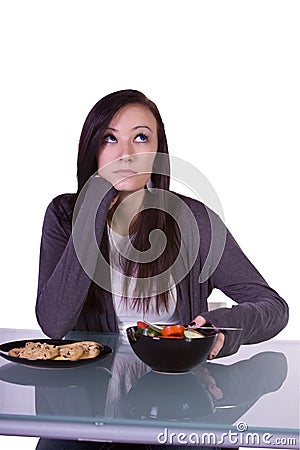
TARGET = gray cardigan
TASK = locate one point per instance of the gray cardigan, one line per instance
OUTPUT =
(63, 284)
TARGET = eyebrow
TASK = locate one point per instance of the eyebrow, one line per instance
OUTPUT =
(135, 128)
(143, 126)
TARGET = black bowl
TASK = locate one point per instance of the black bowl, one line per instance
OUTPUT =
(171, 355)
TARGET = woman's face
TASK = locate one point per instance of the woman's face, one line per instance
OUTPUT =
(128, 149)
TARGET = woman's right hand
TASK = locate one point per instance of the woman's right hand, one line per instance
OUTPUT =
(114, 200)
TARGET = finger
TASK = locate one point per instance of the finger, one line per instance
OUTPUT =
(218, 345)
(114, 200)
(198, 322)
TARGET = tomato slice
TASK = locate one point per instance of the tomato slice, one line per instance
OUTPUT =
(173, 330)
(142, 325)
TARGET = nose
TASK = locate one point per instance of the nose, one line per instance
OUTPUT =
(126, 158)
(126, 152)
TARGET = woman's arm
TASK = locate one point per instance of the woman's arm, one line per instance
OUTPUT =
(63, 283)
(261, 312)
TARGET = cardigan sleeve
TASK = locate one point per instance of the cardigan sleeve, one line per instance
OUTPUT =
(65, 269)
(260, 311)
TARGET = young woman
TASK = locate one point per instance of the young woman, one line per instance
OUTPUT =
(125, 248)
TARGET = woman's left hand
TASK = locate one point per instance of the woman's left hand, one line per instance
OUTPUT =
(200, 321)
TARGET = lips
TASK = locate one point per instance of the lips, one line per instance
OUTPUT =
(125, 172)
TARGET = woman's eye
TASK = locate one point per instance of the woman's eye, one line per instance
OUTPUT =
(109, 138)
(141, 138)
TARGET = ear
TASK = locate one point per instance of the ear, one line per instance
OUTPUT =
(149, 185)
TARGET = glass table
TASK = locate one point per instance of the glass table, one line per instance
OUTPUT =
(250, 399)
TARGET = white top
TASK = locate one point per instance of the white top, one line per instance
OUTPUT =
(126, 315)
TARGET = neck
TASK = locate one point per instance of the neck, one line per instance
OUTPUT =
(125, 211)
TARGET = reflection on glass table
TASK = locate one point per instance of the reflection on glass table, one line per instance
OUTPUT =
(120, 397)
(207, 394)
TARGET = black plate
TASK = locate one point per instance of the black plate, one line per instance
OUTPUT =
(48, 363)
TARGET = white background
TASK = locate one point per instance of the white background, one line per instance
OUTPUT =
(225, 77)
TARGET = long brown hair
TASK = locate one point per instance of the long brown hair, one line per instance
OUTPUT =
(149, 219)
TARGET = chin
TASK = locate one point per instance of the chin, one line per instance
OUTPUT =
(130, 185)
